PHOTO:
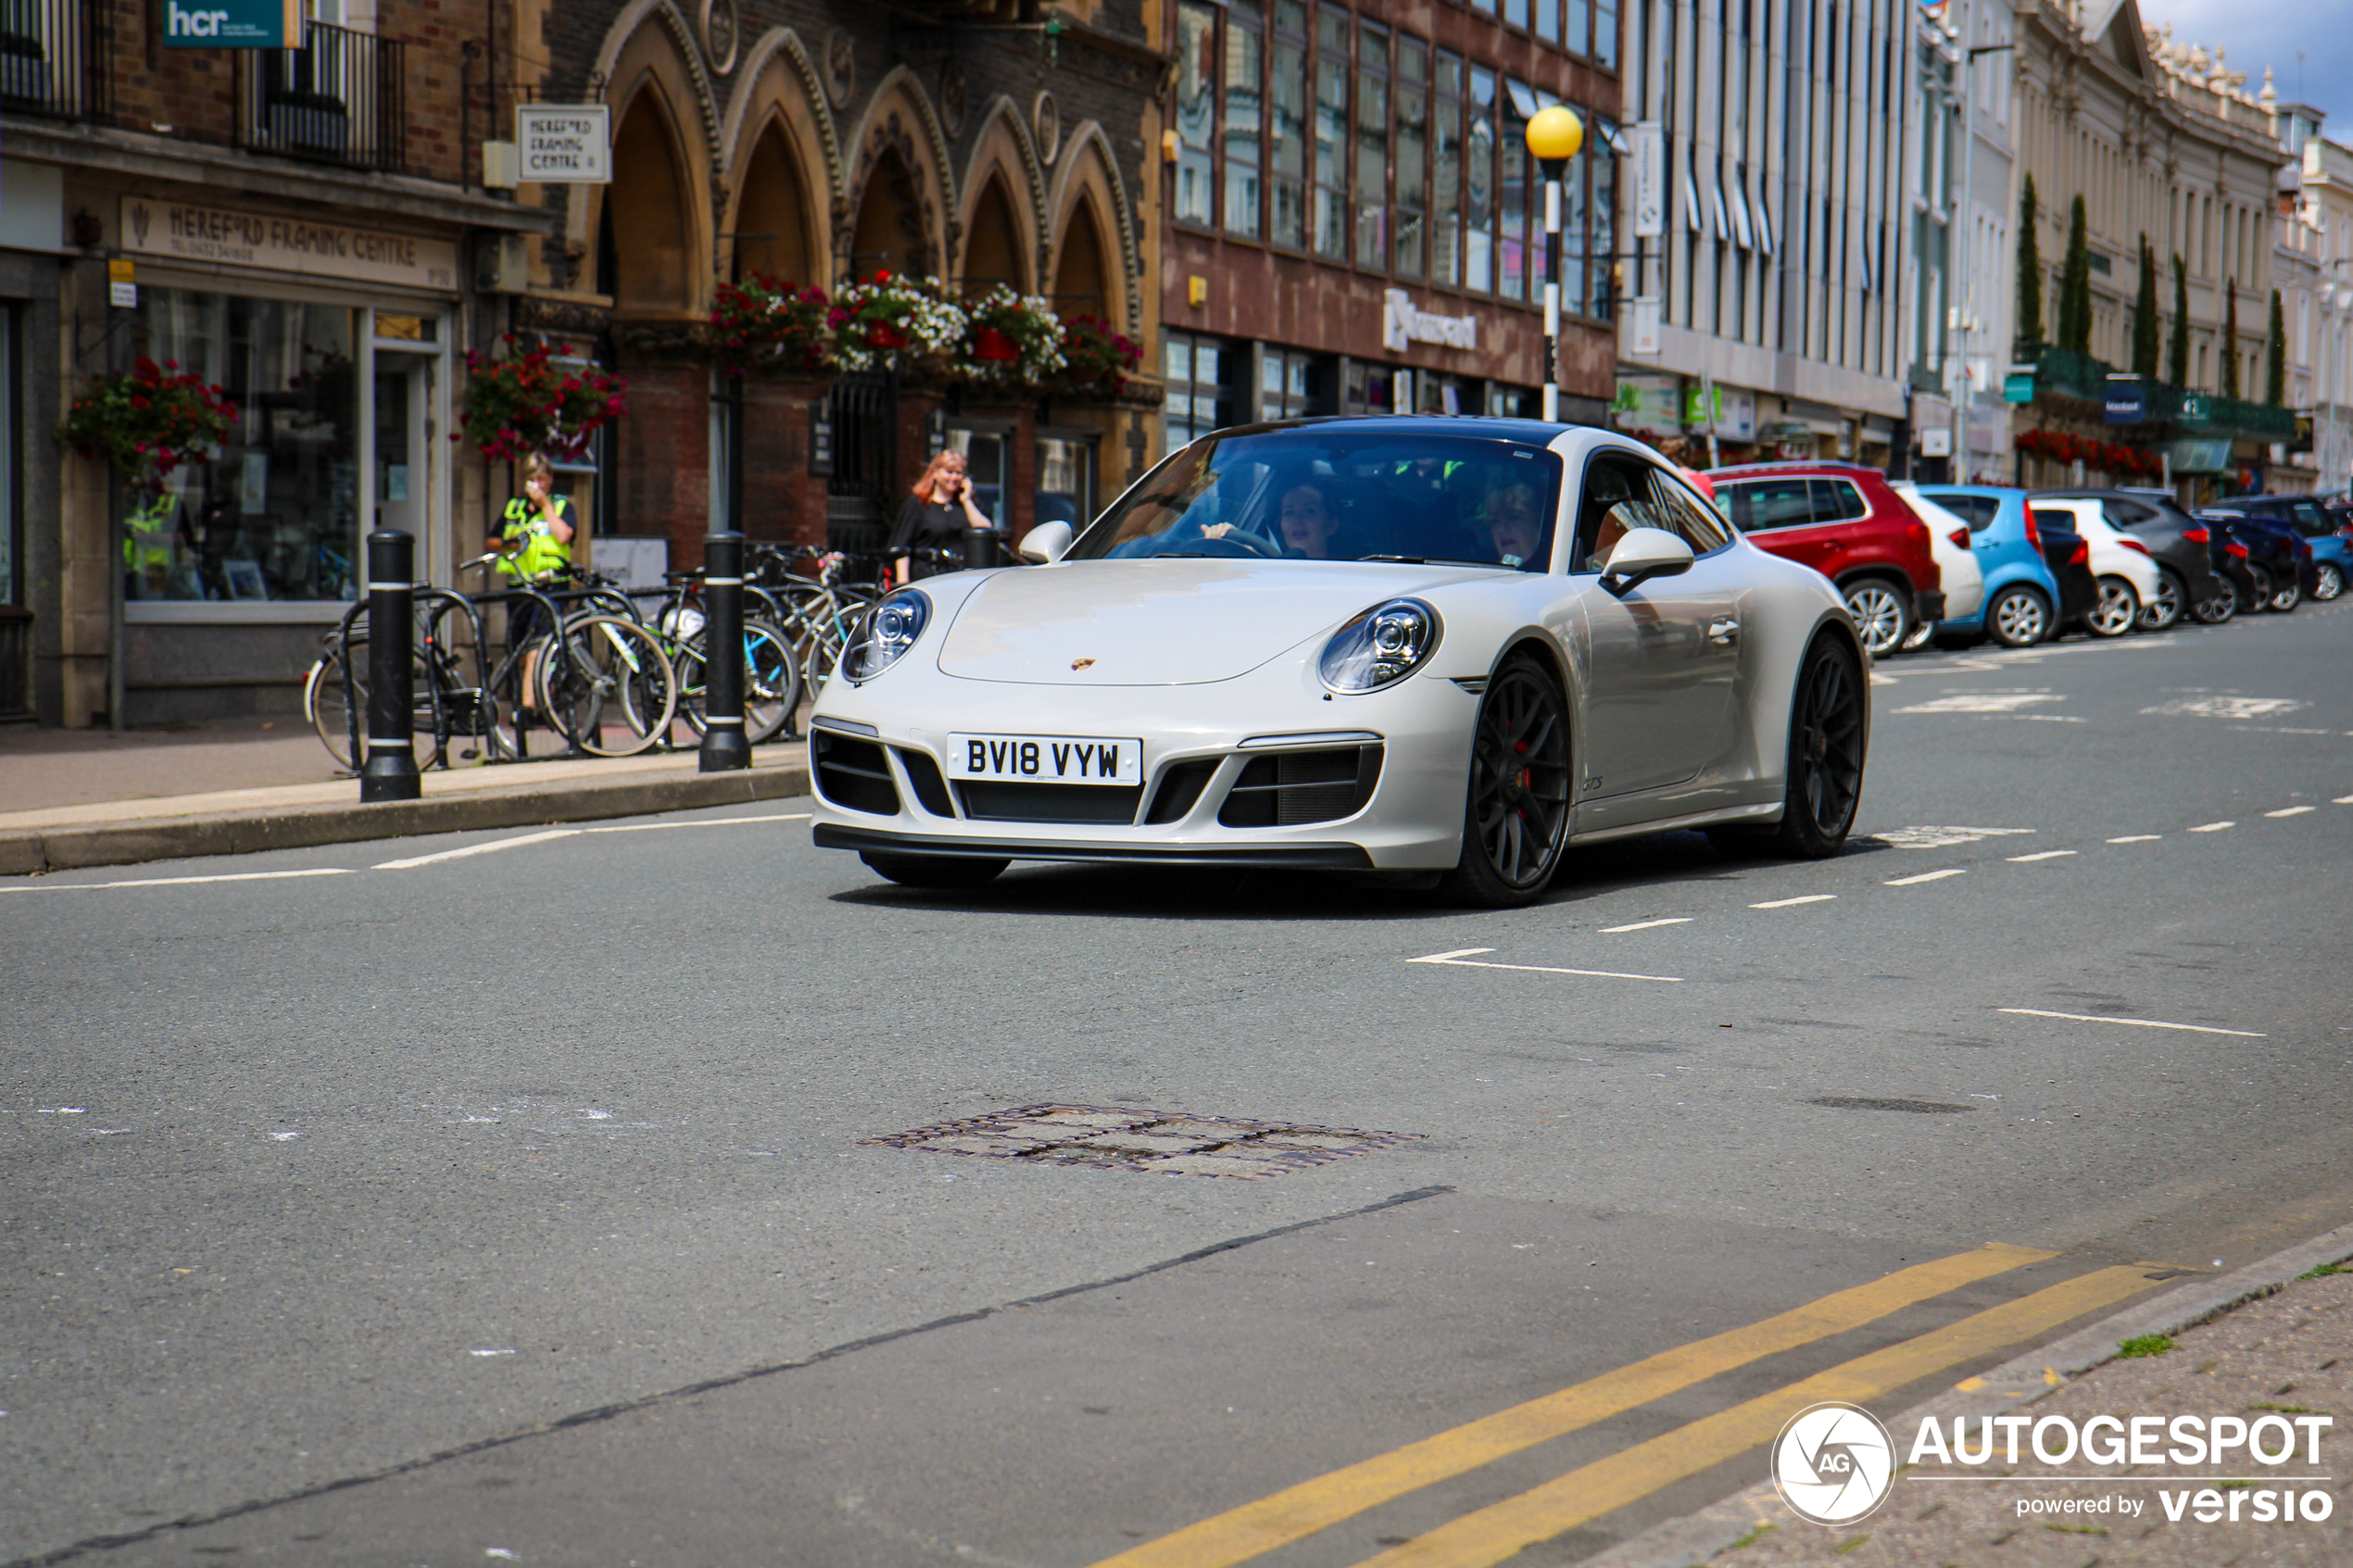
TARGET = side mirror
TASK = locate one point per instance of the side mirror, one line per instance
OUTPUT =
(1044, 544)
(1644, 553)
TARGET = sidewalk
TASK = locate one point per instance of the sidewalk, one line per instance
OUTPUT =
(84, 798)
(2288, 1352)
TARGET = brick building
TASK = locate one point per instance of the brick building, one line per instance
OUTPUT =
(294, 224)
(819, 143)
(1354, 225)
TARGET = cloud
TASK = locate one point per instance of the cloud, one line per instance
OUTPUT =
(2271, 33)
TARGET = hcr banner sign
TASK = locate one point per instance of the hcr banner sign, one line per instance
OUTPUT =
(233, 24)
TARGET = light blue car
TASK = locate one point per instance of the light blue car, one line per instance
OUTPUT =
(2021, 596)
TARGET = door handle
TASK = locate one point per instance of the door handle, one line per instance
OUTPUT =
(1725, 630)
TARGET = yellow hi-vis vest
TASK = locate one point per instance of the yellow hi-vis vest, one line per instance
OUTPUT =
(542, 555)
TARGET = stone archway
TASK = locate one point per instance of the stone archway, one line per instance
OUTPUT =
(645, 249)
(993, 249)
(1081, 284)
(774, 232)
(889, 234)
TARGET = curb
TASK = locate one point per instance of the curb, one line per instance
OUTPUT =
(1696, 1537)
(38, 850)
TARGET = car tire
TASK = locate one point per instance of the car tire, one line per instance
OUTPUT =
(2331, 582)
(1516, 799)
(2117, 610)
(2285, 598)
(933, 870)
(2219, 609)
(1827, 726)
(2020, 617)
(1882, 614)
(2259, 598)
(2166, 606)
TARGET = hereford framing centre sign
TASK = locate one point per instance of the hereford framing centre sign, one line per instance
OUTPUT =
(188, 232)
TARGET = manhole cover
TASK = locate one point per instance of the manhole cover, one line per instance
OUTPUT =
(1124, 1138)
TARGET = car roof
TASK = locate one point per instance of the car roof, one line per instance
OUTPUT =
(1536, 432)
(2000, 491)
(1806, 465)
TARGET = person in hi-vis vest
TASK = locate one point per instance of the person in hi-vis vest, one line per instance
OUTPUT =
(537, 543)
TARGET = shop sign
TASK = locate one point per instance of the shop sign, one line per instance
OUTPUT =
(2018, 386)
(2126, 404)
(1650, 181)
(1647, 334)
(1403, 323)
(1732, 414)
(565, 144)
(2199, 455)
(1646, 405)
(348, 253)
(2198, 408)
(232, 24)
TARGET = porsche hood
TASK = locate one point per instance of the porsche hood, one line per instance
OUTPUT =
(1163, 623)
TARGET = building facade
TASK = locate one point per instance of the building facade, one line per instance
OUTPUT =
(1354, 223)
(1770, 236)
(2313, 263)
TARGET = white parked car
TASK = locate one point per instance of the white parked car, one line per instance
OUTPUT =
(1404, 644)
(1948, 540)
(2127, 572)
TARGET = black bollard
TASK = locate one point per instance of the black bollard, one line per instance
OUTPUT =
(390, 772)
(723, 745)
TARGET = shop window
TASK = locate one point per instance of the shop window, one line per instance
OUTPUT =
(1511, 144)
(1446, 172)
(1200, 397)
(1331, 132)
(1479, 184)
(1196, 113)
(1367, 388)
(1372, 146)
(276, 514)
(1065, 480)
(1241, 117)
(1287, 125)
(1413, 156)
(1291, 384)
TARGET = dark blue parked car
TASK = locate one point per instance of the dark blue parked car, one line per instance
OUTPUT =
(2277, 557)
(2021, 604)
(2311, 519)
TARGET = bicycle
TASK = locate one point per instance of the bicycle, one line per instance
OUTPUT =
(822, 613)
(772, 669)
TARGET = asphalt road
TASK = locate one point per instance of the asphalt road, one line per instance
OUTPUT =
(516, 1205)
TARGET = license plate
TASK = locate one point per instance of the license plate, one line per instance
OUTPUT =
(1046, 758)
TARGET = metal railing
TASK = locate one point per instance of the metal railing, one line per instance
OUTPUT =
(57, 58)
(339, 99)
(2185, 411)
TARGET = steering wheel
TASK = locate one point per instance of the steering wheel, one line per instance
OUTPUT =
(1235, 543)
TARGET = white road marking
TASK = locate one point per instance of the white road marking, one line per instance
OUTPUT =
(2214, 827)
(706, 823)
(2290, 811)
(184, 881)
(479, 850)
(2229, 706)
(2137, 838)
(1646, 925)
(2136, 1023)
(1982, 702)
(2045, 855)
(1786, 903)
(1943, 837)
(1928, 876)
(2344, 799)
(1461, 958)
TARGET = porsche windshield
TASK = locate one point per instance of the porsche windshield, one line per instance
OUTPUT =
(1333, 494)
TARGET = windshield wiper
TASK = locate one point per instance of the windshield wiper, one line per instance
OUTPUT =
(1432, 560)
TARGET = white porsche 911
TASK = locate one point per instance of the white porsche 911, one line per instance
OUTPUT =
(1390, 645)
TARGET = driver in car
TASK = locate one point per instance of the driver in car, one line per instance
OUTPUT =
(1512, 524)
(1306, 522)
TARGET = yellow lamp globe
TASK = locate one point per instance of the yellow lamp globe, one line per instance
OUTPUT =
(1555, 134)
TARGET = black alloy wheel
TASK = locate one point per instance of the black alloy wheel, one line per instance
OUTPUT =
(2257, 598)
(1825, 745)
(2218, 610)
(934, 871)
(2167, 604)
(1515, 813)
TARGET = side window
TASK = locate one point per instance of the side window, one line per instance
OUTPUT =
(1616, 497)
(1769, 503)
(1837, 501)
(1979, 511)
(1684, 514)
(2126, 514)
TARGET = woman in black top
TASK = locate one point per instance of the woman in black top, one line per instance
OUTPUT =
(937, 516)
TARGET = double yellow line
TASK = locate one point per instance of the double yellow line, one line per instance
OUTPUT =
(1495, 1534)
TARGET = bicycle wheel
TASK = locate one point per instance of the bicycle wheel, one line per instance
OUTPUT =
(772, 683)
(337, 709)
(607, 686)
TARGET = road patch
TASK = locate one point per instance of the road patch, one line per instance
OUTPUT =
(1113, 1137)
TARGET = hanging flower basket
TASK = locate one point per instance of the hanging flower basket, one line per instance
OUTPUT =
(534, 402)
(894, 323)
(148, 421)
(1095, 358)
(1016, 341)
(768, 322)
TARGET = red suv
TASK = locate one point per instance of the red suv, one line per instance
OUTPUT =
(1843, 521)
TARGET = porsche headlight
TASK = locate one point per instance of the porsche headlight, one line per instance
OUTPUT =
(885, 632)
(1381, 647)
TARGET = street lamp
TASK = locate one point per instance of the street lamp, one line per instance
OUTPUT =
(1554, 136)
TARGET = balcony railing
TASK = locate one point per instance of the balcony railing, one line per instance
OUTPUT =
(57, 58)
(2162, 404)
(338, 99)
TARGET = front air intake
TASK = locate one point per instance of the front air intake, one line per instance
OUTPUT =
(1295, 787)
(852, 773)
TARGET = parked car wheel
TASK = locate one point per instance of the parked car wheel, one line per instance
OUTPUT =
(2019, 617)
(2117, 612)
(2166, 606)
(2287, 595)
(934, 871)
(2218, 610)
(1882, 614)
(2331, 583)
(2260, 600)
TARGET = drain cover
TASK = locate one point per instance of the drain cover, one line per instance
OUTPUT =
(1124, 1138)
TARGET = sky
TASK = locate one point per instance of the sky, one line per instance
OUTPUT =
(2268, 32)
